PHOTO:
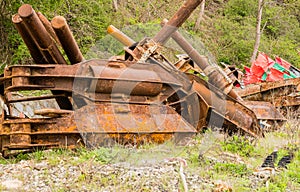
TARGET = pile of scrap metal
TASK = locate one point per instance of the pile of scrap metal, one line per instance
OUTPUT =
(277, 82)
(137, 98)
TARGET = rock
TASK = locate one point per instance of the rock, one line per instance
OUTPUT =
(11, 184)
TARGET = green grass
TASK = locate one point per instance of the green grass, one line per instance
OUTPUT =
(234, 169)
(239, 145)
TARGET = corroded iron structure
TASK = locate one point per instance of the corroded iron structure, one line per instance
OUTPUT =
(138, 98)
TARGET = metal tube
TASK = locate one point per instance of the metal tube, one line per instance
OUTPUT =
(176, 21)
(40, 35)
(48, 27)
(120, 36)
(67, 40)
(216, 76)
(28, 40)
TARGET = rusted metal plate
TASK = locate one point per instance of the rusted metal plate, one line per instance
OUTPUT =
(128, 120)
(235, 114)
(264, 110)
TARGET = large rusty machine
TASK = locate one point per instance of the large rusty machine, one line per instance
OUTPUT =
(130, 99)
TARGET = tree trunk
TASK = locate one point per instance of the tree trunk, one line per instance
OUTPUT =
(258, 31)
(200, 17)
(115, 5)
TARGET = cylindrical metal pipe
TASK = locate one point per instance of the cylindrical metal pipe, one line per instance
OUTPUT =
(120, 36)
(48, 27)
(67, 40)
(28, 40)
(40, 35)
(216, 76)
(176, 21)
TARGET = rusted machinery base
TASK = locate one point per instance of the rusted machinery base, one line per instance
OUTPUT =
(105, 124)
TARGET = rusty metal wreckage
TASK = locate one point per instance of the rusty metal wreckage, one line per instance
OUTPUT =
(136, 98)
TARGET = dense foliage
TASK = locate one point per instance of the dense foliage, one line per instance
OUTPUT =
(228, 28)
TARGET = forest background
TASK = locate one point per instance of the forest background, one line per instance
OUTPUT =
(226, 27)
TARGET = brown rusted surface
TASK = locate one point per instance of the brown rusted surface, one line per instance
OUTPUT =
(105, 123)
(20, 134)
(159, 122)
(52, 112)
(24, 133)
(235, 113)
(264, 110)
(40, 35)
(127, 80)
(176, 21)
(28, 40)
(48, 27)
(141, 107)
(67, 40)
(279, 93)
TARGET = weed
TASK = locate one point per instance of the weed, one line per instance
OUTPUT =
(37, 155)
(239, 145)
(4, 161)
(102, 154)
(231, 168)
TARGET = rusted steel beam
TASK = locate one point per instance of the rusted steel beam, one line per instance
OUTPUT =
(67, 40)
(120, 36)
(40, 35)
(28, 40)
(48, 27)
(105, 79)
(149, 47)
(216, 76)
(176, 21)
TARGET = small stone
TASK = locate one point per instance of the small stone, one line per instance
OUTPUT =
(12, 184)
(40, 166)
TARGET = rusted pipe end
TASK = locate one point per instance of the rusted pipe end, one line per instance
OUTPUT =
(16, 18)
(120, 36)
(58, 22)
(25, 10)
(111, 29)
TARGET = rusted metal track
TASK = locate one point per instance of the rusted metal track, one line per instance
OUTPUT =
(279, 93)
(112, 123)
